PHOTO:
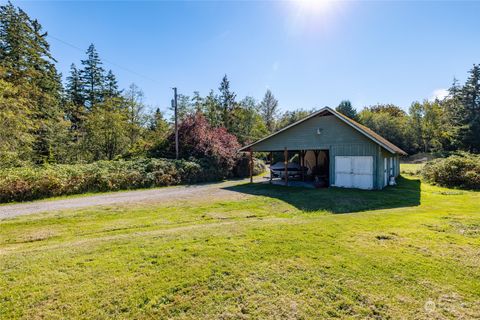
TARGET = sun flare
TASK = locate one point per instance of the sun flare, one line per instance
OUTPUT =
(312, 15)
(314, 6)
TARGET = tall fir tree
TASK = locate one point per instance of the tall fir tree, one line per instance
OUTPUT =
(227, 102)
(197, 102)
(29, 66)
(345, 107)
(269, 110)
(158, 132)
(93, 78)
(453, 102)
(111, 85)
(452, 116)
(74, 87)
(469, 131)
(158, 122)
(75, 102)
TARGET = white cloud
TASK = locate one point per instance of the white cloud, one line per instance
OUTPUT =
(439, 94)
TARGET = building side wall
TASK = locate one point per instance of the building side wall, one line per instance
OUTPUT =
(397, 163)
(383, 154)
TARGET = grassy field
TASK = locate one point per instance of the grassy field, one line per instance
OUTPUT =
(411, 251)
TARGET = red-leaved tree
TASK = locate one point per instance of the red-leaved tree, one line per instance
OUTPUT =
(214, 147)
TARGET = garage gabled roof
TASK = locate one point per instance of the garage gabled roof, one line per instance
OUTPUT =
(360, 128)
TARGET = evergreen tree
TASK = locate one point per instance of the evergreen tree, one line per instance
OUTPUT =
(469, 131)
(269, 110)
(452, 111)
(73, 88)
(197, 102)
(453, 103)
(111, 86)
(29, 67)
(158, 122)
(227, 102)
(93, 78)
(455, 89)
(159, 129)
(75, 108)
(345, 107)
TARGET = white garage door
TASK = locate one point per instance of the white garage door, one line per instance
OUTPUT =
(354, 172)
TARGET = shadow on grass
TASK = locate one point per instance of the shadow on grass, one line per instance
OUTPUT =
(338, 200)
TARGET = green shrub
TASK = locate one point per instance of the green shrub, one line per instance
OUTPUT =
(29, 183)
(461, 171)
(242, 167)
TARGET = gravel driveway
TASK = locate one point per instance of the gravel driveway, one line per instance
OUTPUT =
(122, 197)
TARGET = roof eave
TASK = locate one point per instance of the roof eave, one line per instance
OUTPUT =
(338, 115)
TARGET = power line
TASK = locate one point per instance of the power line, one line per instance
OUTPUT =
(103, 59)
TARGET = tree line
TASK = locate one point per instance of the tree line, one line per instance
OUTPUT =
(440, 125)
(88, 117)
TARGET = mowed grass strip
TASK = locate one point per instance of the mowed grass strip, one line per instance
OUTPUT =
(275, 253)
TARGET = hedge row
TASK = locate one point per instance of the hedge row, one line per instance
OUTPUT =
(458, 171)
(29, 183)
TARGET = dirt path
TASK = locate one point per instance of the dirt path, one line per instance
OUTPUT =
(122, 197)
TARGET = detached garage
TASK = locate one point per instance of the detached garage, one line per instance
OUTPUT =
(334, 149)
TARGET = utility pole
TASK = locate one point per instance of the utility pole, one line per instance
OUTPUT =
(174, 105)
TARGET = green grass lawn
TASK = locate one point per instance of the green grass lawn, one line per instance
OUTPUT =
(275, 252)
(411, 168)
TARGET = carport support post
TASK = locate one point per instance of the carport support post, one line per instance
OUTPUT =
(302, 163)
(285, 155)
(251, 165)
(271, 162)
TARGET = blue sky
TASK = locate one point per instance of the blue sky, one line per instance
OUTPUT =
(309, 54)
